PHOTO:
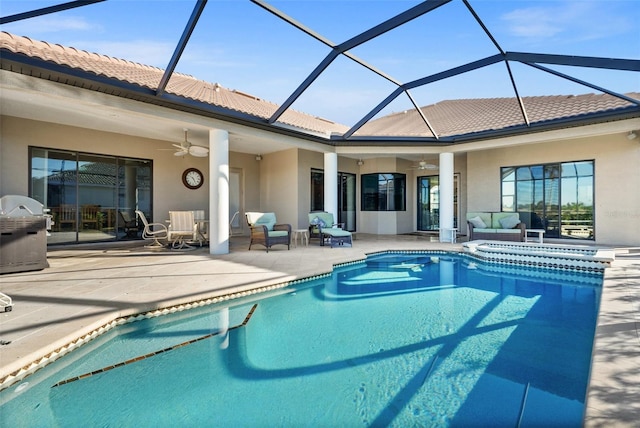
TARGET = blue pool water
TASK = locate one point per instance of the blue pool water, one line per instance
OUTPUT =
(399, 340)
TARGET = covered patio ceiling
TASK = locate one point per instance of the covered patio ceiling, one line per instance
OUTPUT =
(511, 71)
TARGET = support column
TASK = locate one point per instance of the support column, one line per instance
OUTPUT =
(331, 184)
(446, 197)
(218, 191)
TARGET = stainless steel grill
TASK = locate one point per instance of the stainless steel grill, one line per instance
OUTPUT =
(23, 234)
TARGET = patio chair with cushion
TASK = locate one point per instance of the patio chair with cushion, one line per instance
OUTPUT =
(155, 231)
(265, 231)
(322, 226)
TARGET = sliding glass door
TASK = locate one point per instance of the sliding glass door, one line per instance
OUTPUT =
(91, 197)
(429, 202)
(346, 196)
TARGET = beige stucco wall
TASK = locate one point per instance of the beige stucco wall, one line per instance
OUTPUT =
(249, 169)
(169, 192)
(617, 179)
(279, 185)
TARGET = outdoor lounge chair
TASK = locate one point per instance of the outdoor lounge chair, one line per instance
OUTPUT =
(322, 226)
(153, 231)
(265, 231)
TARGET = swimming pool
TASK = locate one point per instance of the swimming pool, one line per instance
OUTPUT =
(431, 339)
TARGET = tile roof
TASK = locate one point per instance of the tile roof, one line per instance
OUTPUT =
(459, 117)
(448, 118)
(149, 77)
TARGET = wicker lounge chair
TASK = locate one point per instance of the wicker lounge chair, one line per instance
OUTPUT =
(265, 231)
(322, 226)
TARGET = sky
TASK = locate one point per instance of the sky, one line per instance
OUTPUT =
(241, 46)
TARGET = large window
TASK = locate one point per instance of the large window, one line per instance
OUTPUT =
(555, 197)
(91, 197)
(384, 192)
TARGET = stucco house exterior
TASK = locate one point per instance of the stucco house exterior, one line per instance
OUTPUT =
(80, 128)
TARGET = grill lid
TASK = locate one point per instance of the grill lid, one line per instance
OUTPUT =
(20, 206)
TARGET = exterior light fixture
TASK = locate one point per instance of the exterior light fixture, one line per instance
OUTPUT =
(360, 162)
(258, 157)
(632, 135)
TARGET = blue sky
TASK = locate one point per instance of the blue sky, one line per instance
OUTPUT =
(241, 46)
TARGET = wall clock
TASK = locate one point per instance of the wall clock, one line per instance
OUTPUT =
(192, 178)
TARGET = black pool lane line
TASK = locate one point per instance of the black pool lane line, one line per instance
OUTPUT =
(153, 354)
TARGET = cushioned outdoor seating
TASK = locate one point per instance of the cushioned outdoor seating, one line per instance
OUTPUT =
(496, 226)
(265, 231)
(322, 226)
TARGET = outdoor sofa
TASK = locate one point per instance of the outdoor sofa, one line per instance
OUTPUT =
(496, 226)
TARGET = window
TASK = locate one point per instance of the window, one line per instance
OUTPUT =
(555, 197)
(317, 190)
(90, 196)
(384, 192)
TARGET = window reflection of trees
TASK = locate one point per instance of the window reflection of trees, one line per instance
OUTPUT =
(555, 197)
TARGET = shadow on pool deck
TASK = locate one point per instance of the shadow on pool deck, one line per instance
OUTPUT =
(89, 285)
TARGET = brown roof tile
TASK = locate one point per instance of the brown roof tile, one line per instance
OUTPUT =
(448, 118)
(179, 84)
(458, 117)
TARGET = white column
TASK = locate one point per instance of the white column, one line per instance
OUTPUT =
(446, 196)
(331, 184)
(218, 191)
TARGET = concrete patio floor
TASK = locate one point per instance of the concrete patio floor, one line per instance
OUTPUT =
(88, 286)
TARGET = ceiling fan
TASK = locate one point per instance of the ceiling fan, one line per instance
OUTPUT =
(424, 165)
(186, 148)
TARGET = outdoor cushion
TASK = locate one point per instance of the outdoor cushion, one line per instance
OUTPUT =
(318, 217)
(510, 222)
(485, 216)
(477, 222)
(275, 233)
(335, 231)
(264, 219)
(484, 230)
(496, 217)
(317, 221)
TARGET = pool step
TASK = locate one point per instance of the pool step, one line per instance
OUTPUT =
(556, 256)
(153, 354)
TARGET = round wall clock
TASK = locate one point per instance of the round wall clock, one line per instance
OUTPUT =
(192, 178)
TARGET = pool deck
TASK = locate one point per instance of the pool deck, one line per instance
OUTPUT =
(88, 286)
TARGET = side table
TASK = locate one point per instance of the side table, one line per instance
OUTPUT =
(303, 234)
(453, 231)
(540, 233)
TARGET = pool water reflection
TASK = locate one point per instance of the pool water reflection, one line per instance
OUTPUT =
(429, 339)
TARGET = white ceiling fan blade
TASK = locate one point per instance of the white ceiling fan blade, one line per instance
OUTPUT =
(181, 153)
(179, 146)
(198, 151)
